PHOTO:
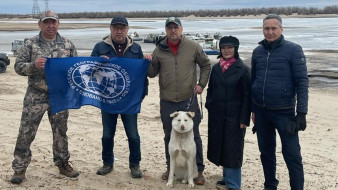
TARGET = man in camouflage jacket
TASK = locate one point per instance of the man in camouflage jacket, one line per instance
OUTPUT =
(31, 62)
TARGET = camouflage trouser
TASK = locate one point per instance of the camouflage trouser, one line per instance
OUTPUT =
(36, 103)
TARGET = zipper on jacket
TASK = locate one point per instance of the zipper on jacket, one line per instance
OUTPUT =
(267, 66)
(266, 71)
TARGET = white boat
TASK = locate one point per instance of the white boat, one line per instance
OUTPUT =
(135, 36)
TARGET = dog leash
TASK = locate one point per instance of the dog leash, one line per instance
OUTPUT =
(201, 106)
(191, 101)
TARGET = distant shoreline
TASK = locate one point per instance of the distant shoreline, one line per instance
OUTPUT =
(7, 25)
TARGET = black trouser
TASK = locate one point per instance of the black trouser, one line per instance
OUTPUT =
(169, 107)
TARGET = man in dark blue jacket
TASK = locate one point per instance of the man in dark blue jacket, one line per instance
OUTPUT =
(279, 88)
(119, 44)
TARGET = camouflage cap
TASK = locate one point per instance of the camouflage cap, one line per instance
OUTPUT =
(48, 15)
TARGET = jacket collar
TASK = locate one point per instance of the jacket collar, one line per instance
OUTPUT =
(58, 38)
(108, 40)
(274, 44)
(163, 43)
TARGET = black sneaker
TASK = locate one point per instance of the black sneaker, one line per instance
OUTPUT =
(220, 183)
(135, 171)
(105, 169)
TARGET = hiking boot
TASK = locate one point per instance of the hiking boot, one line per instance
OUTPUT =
(105, 169)
(165, 175)
(18, 177)
(67, 170)
(199, 180)
(135, 171)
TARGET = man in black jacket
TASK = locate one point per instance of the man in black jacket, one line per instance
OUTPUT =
(119, 44)
(279, 85)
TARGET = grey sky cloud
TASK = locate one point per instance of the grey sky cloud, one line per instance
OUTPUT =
(66, 6)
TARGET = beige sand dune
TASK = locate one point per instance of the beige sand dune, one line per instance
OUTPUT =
(319, 146)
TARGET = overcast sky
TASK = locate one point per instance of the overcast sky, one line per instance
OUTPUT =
(66, 6)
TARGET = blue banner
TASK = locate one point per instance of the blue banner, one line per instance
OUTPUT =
(114, 85)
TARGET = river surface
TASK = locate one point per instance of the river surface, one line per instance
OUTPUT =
(317, 36)
(310, 33)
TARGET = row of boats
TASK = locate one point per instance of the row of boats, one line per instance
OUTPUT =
(209, 43)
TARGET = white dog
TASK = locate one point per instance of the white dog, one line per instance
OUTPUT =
(182, 149)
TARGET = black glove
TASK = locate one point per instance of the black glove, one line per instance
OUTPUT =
(301, 121)
(296, 124)
(254, 129)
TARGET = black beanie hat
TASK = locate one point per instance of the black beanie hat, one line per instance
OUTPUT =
(230, 41)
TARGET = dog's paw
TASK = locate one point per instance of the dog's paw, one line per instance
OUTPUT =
(170, 185)
(191, 185)
(184, 181)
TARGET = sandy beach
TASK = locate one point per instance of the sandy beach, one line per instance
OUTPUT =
(319, 146)
(319, 142)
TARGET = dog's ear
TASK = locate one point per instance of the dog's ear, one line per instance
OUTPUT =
(174, 114)
(191, 114)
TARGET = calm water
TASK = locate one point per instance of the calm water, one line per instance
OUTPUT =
(310, 33)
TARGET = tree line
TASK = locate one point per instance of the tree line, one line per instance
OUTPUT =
(198, 13)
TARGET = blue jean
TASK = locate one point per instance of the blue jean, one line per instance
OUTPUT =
(266, 122)
(232, 177)
(109, 127)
